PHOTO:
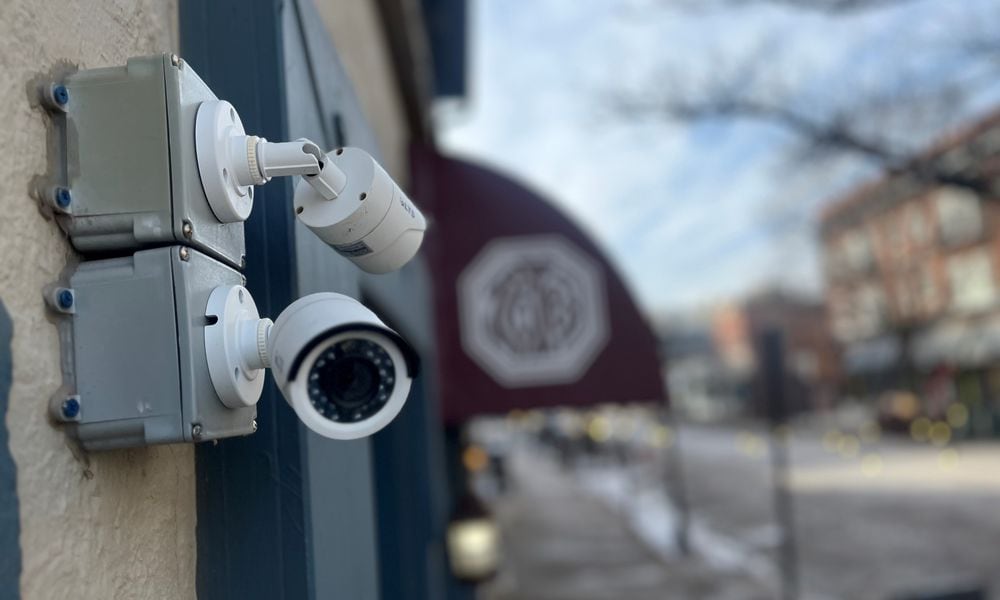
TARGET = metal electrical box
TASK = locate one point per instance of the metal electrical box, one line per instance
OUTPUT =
(127, 164)
(137, 373)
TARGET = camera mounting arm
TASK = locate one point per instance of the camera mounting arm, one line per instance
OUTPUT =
(231, 162)
(301, 157)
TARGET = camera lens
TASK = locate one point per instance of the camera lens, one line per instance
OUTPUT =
(351, 380)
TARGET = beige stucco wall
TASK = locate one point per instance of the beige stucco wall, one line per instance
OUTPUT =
(112, 525)
(356, 30)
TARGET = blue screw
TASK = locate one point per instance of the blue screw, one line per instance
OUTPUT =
(63, 197)
(60, 94)
(65, 299)
(71, 408)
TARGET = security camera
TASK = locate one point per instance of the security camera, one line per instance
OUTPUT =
(345, 197)
(370, 220)
(344, 372)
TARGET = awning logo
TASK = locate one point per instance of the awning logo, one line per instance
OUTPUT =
(533, 310)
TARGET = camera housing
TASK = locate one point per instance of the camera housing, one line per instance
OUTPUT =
(344, 372)
(370, 221)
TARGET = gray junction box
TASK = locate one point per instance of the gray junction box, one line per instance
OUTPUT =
(127, 154)
(138, 372)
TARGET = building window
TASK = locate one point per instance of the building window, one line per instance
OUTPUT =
(831, 260)
(916, 293)
(870, 309)
(928, 290)
(971, 278)
(841, 320)
(858, 314)
(894, 236)
(917, 224)
(959, 215)
(905, 298)
(856, 253)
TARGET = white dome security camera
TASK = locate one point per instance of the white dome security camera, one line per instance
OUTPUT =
(343, 371)
(345, 197)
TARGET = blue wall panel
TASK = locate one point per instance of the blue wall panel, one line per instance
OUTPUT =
(251, 532)
(285, 513)
(10, 525)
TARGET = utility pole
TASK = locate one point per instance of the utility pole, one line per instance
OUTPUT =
(677, 485)
(773, 384)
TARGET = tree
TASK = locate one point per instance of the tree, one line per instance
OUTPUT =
(886, 120)
(885, 114)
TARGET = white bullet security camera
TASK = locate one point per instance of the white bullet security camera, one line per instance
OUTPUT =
(344, 197)
(371, 221)
(344, 372)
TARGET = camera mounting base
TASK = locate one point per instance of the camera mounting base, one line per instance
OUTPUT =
(236, 345)
(223, 148)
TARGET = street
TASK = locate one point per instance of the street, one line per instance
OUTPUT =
(875, 517)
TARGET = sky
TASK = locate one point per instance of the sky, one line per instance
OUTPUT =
(690, 213)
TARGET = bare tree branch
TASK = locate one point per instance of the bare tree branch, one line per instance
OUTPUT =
(835, 135)
(887, 117)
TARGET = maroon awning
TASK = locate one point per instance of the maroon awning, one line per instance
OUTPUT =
(529, 313)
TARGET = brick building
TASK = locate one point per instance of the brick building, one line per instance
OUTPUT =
(912, 270)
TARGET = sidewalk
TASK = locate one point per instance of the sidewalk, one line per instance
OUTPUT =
(562, 542)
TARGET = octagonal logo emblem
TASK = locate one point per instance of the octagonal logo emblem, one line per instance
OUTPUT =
(533, 310)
